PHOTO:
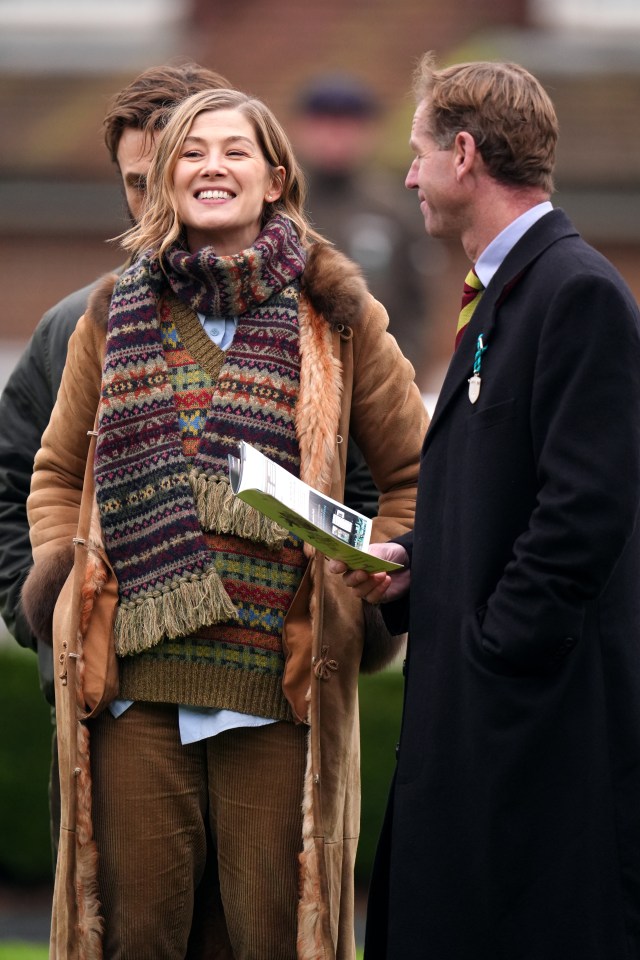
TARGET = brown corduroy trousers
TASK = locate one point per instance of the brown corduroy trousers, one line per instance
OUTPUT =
(198, 844)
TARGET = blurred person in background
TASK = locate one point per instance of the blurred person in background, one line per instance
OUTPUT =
(336, 129)
(235, 709)
(133, 115)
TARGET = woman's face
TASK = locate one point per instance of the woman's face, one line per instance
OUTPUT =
(222, 181)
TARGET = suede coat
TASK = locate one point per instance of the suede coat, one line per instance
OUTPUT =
(513, 828)
(353, 379)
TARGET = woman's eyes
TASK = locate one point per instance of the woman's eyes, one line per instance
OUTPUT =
(198, 154)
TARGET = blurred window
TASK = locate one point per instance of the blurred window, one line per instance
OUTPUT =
(43, 36)
(588, 14)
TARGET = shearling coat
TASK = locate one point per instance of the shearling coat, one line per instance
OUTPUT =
(353, 379)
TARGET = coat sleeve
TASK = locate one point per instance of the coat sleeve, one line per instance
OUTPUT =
(360, 492)
(56, 487)
(396, 613)
(388, 422)
(25, 408)
(585, 427)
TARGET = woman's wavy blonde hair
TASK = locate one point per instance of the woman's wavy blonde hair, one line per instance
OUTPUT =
(160, 226)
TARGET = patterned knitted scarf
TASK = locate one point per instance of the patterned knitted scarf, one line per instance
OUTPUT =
(153, 508)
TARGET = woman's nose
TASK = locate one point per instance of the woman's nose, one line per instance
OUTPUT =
(214, 164)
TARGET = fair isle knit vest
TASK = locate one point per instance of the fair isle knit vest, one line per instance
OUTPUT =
(204, 581)
(238, 663)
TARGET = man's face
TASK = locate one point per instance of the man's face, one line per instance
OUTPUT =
(134, 156)
(432, 174)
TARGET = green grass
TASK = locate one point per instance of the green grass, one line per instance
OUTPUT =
(23, 951)
(27, 951)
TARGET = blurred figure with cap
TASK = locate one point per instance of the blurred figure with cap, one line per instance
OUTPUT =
(336, 128)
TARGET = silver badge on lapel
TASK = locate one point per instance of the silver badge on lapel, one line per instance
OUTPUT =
(474, 381)
(474, 387)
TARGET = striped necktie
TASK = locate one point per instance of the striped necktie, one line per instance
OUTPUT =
(471, 294)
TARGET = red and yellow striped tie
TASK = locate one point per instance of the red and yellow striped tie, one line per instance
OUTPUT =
(471, 294)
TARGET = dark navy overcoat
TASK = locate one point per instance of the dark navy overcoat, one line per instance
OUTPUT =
(513, 825)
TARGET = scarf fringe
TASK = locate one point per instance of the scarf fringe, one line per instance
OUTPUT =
(220, 511)
(175, 613)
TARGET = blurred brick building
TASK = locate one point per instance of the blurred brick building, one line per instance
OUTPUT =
(59, 63)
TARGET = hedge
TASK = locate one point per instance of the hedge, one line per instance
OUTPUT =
(25, 751)
(25, 756)
(380, 715)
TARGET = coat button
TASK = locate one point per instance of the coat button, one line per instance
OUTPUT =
(563, 648)
(404, 667)
(397, 749)
(566, 645)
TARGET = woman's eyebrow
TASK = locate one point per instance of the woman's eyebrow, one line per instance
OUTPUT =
(191, 138)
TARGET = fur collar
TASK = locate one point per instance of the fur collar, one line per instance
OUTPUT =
(334, 285)
(100, 299)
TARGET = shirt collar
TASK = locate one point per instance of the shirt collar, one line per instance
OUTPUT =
(221, 330)
(493, 256)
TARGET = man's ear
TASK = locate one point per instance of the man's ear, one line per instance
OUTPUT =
(465, 154)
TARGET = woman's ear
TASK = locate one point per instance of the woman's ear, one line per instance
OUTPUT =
(276, 185)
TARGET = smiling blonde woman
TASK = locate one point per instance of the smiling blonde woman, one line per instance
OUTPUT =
(230, 746)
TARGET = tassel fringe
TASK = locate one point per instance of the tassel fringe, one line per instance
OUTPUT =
(220, 511)
(175, 613)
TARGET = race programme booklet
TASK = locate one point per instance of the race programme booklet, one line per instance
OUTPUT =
(326, 524)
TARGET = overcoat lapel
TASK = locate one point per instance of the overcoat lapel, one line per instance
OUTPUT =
(545, 232)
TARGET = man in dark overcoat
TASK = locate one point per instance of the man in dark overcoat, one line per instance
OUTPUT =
(513, 825)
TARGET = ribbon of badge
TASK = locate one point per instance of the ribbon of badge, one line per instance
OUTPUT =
(475, 381)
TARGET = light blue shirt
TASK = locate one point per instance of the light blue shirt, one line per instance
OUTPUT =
(493, 256)
(221, 330)
(198, 723)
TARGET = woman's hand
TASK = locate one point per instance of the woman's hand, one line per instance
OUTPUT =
(379, 587)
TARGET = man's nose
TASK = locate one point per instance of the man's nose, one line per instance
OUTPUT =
(411, 181)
